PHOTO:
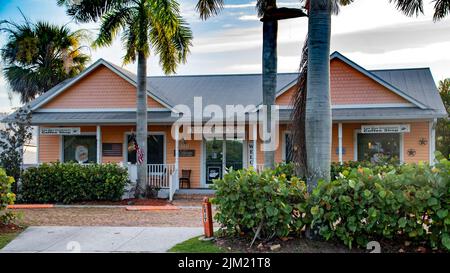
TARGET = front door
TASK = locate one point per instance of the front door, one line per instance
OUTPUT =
(221, 155)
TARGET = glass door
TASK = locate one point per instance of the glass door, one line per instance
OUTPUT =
(214, 160)
(234, 152)
(222, 154)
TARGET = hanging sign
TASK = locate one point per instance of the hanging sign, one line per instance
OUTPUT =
(385, 129)
(251, 150)
(61, 131)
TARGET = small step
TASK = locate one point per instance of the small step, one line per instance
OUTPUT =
(193, 194)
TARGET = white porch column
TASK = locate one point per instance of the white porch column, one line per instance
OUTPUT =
(340, 142)
(432, 140)
(177, 153)
(255, 137)
(38, 129)
(99, 144)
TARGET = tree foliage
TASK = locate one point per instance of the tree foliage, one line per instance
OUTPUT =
(443, 125)
(142, 24)
(37, 56)
(13, 138)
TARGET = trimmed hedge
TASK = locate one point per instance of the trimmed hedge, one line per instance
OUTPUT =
(400, 202)
(71, 182)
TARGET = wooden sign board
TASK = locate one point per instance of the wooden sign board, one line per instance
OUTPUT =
(385, 129)
(185, 153)
(66, 131)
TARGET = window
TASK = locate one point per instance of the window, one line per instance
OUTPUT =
(82, 149)
(155, 150)
(378, 147)
(288, 147)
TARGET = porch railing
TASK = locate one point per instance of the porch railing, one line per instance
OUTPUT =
(159, 175)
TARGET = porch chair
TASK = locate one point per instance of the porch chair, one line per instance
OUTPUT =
(185, 178)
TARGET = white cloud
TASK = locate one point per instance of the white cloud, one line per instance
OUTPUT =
(248, 18)
(240, 6)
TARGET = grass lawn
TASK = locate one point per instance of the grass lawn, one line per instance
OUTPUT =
(5, 238)
(194, 245)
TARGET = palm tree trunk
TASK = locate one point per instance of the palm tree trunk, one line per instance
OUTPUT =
(141, 123)
(318, 104)
(269, 79)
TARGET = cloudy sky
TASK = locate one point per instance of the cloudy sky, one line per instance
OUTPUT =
(372, 33)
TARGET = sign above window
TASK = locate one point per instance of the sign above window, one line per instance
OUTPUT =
(66, 131)
(385, 129)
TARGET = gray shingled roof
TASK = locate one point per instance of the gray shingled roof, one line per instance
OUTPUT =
(245, 89)
(417, 82)
(221, 90)
(124, 117)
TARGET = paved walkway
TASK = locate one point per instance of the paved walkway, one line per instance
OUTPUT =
(100, 239)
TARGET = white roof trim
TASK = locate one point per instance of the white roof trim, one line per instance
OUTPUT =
(87, 72)
(97, 110)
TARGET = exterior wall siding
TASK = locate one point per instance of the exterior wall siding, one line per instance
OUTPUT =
(419, 130)
(348, 86)
(104, 88)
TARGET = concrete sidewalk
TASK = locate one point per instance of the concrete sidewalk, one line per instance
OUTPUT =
(100, 239)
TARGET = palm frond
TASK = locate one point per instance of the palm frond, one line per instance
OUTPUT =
(37, 56)
(441, 9)
(112, 23)
(170, 35)
(208, 8)
(409, 7)
(92, 10)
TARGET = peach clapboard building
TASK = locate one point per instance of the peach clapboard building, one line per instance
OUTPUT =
(91, 118)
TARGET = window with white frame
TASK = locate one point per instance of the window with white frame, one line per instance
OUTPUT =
(378, 147)
(155, 149)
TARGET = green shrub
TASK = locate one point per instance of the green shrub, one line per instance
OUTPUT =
(346, 167)
(409, 202)
(6, 197)
(247, 200)
(72, 182)
(364, 202)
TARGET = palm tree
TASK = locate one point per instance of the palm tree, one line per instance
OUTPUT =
(316, 106)
(144, 25)
(270, 14)
(38, 56)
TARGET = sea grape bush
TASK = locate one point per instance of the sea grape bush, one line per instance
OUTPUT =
(248, 200)
(364, 202)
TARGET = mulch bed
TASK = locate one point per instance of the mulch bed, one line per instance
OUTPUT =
(10, 228)
(303, 245)
(129, 202)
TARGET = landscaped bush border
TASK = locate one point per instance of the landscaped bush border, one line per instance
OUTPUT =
(6, 197)
(72, 182)
(365, 202)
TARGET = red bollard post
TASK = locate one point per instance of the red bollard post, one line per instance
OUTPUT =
(207, 218)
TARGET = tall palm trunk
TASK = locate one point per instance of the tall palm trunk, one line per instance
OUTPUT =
(318, 105)
(141, 122)
(269, 79)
